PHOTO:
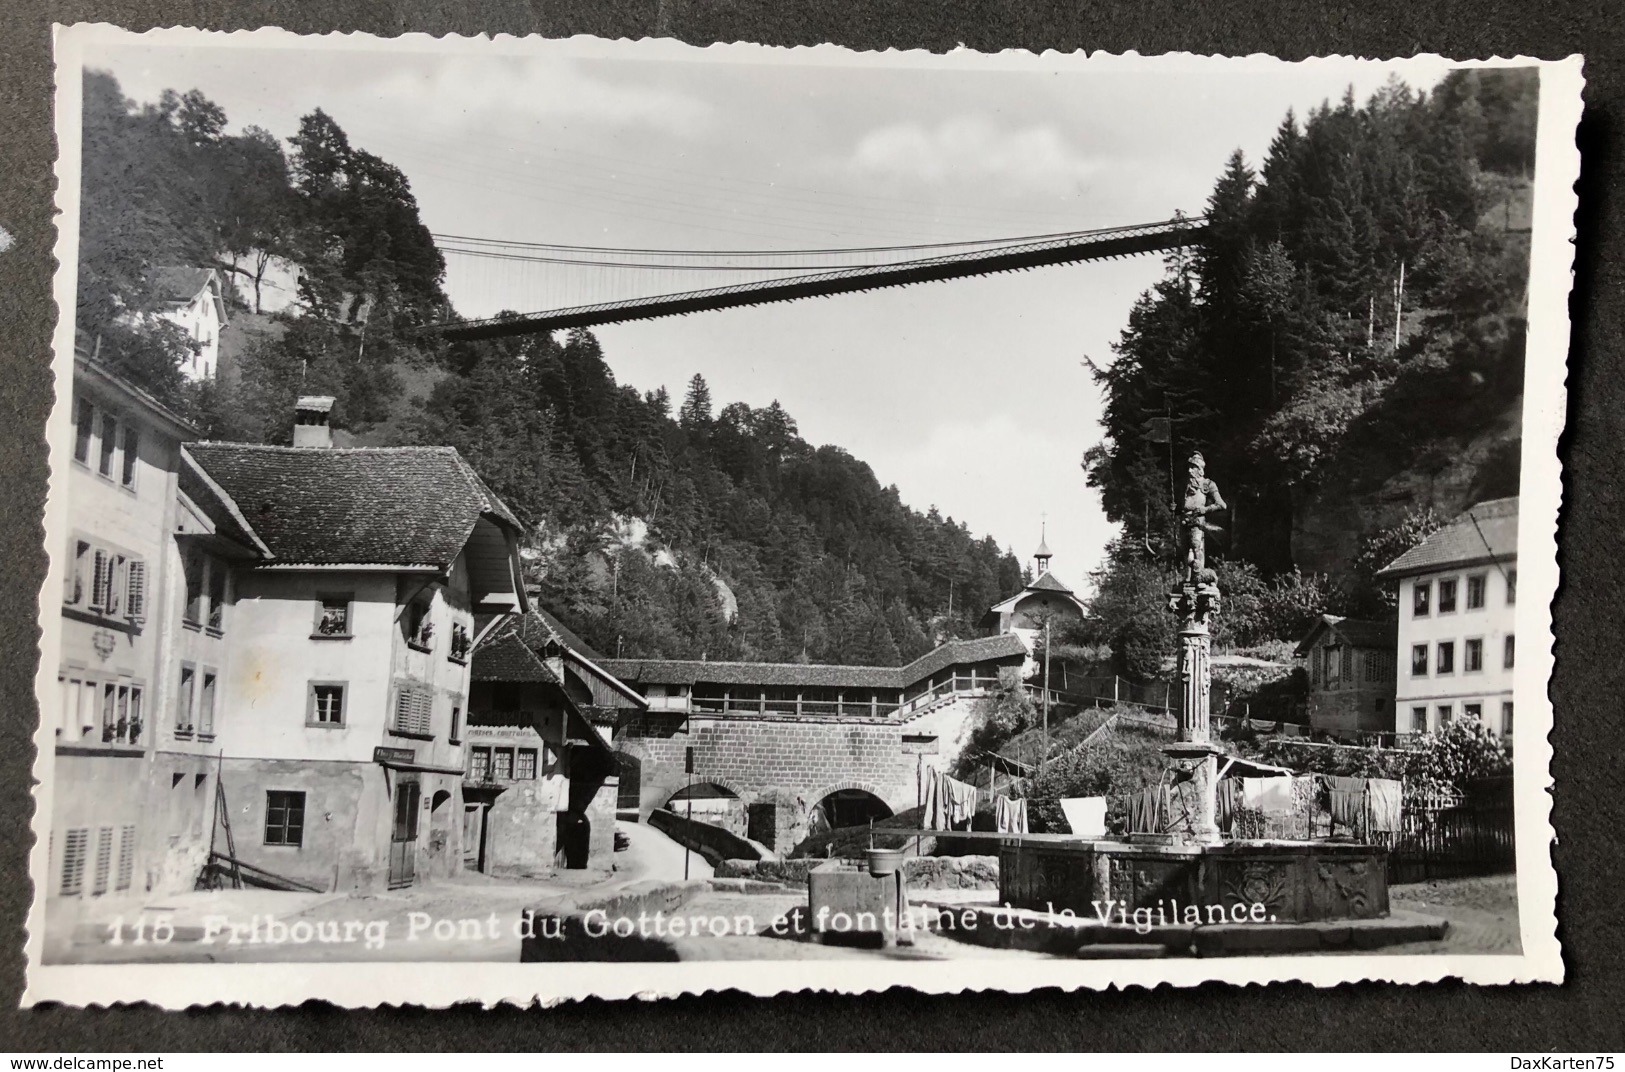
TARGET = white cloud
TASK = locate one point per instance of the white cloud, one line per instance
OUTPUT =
(1034, 159)
(548, 89)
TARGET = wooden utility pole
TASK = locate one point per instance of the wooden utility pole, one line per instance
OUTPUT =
(688, 835)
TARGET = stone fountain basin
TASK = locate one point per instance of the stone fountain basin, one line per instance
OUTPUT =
(1245, 881)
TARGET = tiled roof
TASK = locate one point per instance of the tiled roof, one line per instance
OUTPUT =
(203, 491)
(1487, 532)
(540, 622)
(507, 658)
(1363, 634)
(394, 506)
(689, 671)
(533, 631)
(1354, 631)
(1048, 582)
(179, 284)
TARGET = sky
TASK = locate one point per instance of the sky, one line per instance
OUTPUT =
(970, 395)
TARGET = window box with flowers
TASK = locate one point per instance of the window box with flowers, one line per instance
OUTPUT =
(461, 643)
(417, 627)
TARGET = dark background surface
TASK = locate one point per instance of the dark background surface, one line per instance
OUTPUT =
(1583, 1014)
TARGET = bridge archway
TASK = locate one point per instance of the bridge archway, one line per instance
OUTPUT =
(712, 801)
(846, 805)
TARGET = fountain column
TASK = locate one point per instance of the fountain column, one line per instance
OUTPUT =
(1195, 601)
(1195, 745)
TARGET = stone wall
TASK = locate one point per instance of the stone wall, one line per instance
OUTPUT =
(782, 767)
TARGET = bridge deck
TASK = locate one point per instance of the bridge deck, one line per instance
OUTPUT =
(1083, 246)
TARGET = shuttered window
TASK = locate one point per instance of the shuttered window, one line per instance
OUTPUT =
(101, 587)
(106, 581)
(413, 706)
(74, 849)
(104, 860)
(126, 857)
(135, 590)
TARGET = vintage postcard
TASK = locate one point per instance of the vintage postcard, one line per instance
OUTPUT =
(535, 519)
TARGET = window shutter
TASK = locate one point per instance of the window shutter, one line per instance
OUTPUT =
(425, 707)
(135, 591)
(100, 580)
(74, 847)
(126, 857)
(104, 860)
(413, 705)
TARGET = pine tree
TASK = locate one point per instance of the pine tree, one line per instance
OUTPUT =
(695, 413)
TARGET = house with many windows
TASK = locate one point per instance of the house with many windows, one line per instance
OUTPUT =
(1457, 644)
(113, 674)
(193, 299)
(342, 759)
(1350, 666)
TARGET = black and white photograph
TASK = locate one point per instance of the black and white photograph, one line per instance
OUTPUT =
(622, 518)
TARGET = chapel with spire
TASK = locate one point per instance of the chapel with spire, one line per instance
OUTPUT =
(1046, 598)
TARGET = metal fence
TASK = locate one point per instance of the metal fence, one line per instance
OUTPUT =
(1452, 836)
(1442, 834)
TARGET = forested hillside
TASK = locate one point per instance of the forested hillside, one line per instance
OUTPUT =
(1345, 345)
(714, 532)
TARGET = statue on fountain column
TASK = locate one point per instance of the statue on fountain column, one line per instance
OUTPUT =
(1201, 499)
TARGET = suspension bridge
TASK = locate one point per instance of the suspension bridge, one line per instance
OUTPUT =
(629, 284)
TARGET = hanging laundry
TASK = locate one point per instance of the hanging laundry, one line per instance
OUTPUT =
(948, 802)
(1271, 796)
(1383, 797)
(933, 815)
(1010, 816)
(1347, 801)
(961, 798)
(1085, 815)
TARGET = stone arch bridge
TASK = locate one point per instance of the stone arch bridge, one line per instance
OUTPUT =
(802, 746)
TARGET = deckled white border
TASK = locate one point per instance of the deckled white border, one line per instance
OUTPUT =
(366, 985)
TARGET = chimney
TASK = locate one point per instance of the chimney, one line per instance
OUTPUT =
(310, 427)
